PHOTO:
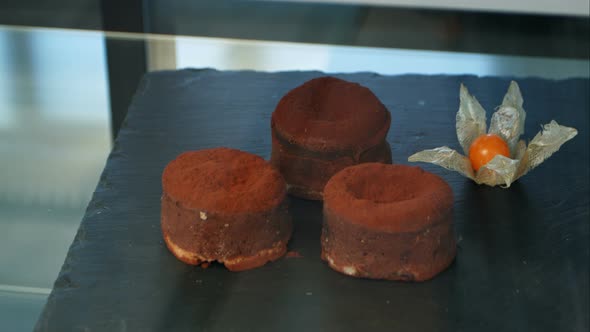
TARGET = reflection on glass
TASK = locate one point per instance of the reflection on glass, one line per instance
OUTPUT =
(233, 54)
(54, 139)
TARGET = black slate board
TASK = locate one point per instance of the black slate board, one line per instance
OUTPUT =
(523, 256)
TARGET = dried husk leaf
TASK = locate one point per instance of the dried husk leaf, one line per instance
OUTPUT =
(508, 121)
(470, 119)
(520, 150)
(513, 97)
(499, 171)
(545, 143)
(447, 158)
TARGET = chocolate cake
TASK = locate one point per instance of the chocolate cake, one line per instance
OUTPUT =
(388, 222)
(224, 205)
(324, 126)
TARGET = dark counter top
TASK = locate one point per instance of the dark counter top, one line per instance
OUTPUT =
(523, 257)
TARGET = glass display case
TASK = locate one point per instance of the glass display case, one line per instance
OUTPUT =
(69, 73)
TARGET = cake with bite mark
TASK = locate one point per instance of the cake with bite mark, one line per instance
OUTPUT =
(388, 222)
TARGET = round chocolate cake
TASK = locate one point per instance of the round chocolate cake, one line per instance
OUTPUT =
(224, 205)
(324, 126)
(388, 222)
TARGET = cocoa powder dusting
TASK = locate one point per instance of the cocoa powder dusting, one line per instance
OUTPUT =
(328, 113)
(393, 198)
(223, 179)
(388, 222)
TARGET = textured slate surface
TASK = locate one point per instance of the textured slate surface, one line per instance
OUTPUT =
(523, 256)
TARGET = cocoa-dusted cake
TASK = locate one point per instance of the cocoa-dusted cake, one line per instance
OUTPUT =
(224, 205)
(323, 126)
(388, 222)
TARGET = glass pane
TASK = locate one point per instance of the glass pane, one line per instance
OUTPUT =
(54, 139)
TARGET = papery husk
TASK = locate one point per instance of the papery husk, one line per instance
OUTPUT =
(499, 171)
(470, 120)
(544, 144)
(447, 158)
(508, 123)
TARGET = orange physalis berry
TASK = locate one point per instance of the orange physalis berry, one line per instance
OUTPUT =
(485, 148)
